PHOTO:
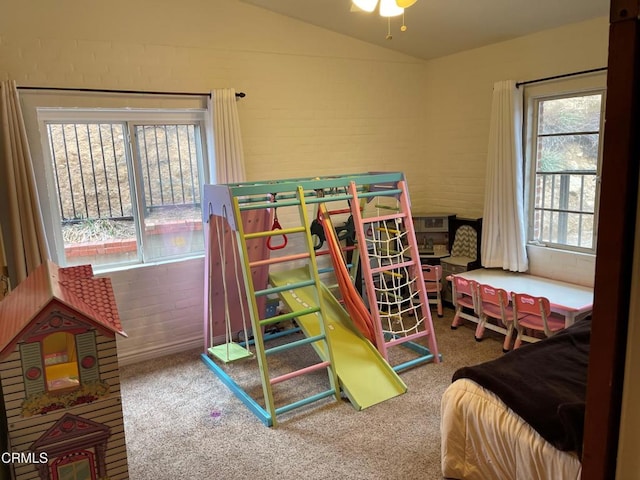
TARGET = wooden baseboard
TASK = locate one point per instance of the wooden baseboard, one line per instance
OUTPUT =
(157, 351)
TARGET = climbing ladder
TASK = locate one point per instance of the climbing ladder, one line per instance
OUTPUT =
(312, 283)
(393, 277)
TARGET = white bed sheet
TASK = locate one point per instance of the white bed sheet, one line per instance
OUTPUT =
(483, 439)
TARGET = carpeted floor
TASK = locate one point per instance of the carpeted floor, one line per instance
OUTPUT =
(181, 422)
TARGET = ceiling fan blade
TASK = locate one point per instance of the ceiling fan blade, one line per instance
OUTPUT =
(363, 5)
(405, 3)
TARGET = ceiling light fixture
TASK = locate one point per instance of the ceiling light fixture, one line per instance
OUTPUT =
(387, 8)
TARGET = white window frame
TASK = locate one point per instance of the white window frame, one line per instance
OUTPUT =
(533, 93)
(128, 117)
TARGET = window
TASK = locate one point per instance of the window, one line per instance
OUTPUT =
(78, 465)
(127, 184)
(564, 152)
(61, 365)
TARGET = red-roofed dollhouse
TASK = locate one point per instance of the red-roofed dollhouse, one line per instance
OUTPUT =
(59, 376)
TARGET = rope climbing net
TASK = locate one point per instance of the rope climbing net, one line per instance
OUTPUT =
(398, 300)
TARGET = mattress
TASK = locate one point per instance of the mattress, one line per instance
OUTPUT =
(483, 439)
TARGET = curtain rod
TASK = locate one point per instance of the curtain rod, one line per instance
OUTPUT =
(135, 92)
(555, 77)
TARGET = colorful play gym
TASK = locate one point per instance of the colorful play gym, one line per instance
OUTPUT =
(332, 258)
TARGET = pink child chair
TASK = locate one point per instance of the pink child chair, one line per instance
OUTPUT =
(432, 275)
(534, 313)
(464, 296)
(494, 303)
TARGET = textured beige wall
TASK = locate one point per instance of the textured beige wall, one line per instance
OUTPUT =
(458, 92)
(317, 102)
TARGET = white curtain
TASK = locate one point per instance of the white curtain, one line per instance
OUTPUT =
(24, 238)
(503, 229)
(225, 141)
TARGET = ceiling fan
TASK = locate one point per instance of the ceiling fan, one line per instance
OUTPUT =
(387, 8)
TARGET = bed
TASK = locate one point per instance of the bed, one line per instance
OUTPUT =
(521, 415)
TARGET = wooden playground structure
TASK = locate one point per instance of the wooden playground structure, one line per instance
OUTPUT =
(354, 299)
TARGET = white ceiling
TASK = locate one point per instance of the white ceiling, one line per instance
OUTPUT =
(437, 28)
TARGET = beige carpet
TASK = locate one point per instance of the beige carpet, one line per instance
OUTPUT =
(182, 423)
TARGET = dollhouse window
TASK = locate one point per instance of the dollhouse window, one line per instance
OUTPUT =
(76, 466)
(60, 361)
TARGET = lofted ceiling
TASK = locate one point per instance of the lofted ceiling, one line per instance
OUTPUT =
(436, 28)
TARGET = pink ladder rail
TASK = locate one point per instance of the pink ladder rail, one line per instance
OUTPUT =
(412, 263)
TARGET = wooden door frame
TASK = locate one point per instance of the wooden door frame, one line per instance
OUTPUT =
(616, 233)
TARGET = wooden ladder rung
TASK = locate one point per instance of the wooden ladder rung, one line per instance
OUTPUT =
(297, 373)
(297, 343)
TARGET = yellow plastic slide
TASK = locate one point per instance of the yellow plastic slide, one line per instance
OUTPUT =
(365, 376)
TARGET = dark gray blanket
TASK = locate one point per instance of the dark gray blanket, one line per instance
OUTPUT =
(545, 383)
